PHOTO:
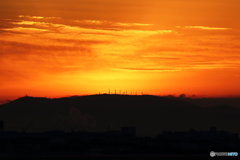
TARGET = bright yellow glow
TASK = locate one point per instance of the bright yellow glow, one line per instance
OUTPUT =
(155, 47)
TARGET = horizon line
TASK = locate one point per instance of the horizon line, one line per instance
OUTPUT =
(127, 94)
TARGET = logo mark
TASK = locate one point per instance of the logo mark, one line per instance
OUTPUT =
(212, 154)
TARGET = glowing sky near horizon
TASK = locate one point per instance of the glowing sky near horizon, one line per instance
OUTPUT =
(74, 47)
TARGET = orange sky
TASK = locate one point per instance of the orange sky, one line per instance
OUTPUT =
(73, 47)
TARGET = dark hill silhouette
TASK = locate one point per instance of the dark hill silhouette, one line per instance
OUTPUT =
(149, 114)
(210, 102)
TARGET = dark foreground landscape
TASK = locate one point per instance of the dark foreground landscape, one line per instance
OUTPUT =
(116, 126)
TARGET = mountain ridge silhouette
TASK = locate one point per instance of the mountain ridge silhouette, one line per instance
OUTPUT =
(149, 114)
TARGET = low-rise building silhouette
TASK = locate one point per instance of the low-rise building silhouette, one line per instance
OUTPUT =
(117, 142)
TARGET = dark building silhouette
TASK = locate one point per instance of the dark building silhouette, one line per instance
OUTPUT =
(1, 125)
(129, 131)
(121, 142)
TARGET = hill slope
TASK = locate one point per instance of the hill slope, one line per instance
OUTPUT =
(149, 114)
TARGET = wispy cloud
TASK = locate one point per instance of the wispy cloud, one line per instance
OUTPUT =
(203, 28)
(149, 69)
(26, 30)
(73, 51)
(131, 24)
(37, 17)
(92, 44)
(148, 46)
